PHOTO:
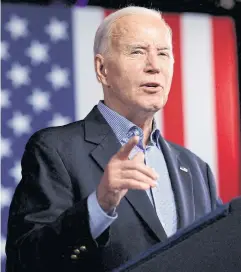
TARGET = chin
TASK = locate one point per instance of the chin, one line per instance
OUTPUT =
(151, 107)
(154, 106)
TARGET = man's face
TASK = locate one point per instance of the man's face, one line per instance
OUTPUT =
(139, 68)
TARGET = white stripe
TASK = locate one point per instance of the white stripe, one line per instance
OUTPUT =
(87, 89)
(198, 87)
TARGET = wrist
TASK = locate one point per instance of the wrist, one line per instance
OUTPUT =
(108, 200)
(106, 207)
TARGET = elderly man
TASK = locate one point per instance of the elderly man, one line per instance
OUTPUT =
(97, 192)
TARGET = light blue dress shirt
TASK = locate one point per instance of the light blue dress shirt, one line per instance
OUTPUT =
(124, 130)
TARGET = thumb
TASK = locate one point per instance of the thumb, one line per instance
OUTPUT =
(125, 150)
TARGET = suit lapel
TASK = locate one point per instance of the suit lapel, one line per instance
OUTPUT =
(182, 184)
(141, 203)
(99, 132)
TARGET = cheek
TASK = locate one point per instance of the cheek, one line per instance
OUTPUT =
(120, 71)
(168, 73)
(132, 68)
(129, 76)
(171, 70)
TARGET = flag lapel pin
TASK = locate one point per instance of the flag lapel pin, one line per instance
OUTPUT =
(184, 169)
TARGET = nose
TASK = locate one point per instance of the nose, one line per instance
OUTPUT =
(152, 64)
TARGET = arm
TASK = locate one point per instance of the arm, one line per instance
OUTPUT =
(45, 225)
(99, 219)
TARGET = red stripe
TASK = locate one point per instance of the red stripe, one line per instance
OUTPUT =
(227, 120)
(108, 12)
(173, 118)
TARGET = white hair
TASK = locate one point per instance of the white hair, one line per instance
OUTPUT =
(103, 33)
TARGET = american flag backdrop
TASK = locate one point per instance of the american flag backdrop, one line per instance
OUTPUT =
(48, 79)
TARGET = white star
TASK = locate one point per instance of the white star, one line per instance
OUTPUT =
(20, 123)
(16, 172)
(59, 120)
(19, 75)
(39, 100)
(5, 102)
(3, 244)
(6, 196)
(37, 52)
(57, 30)
(4, 50)
(58, 77)
(5, 147)
(17, 27)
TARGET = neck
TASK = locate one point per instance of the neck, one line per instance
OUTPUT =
(141, 119)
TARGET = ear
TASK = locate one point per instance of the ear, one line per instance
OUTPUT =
(100, 69)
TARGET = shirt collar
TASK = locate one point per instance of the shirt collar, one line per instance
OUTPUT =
(123, 128)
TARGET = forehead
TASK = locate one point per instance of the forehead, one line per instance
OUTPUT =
(146, 29)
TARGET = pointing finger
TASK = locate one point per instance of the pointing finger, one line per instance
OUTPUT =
(125, 150)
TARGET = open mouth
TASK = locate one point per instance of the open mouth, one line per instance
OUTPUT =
(151, 84)
(152, 87)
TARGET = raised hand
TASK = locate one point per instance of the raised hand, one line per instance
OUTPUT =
(122, 174)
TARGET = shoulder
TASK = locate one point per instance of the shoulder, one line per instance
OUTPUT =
(55, 136)
(67, 135)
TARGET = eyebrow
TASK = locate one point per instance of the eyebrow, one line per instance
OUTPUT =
(143, 46)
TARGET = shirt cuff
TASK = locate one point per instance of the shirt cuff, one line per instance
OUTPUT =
(99, 220)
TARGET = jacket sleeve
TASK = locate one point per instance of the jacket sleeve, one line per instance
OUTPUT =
(215, 200)
(46, 227)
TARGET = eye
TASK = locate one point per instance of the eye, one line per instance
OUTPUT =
(137, 52)
(163, 54)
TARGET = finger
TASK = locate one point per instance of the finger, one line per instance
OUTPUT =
(148, 171)
(135, 185)
(138, 176)
(125, 150)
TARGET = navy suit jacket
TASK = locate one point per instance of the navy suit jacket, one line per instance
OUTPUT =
(48, 227)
